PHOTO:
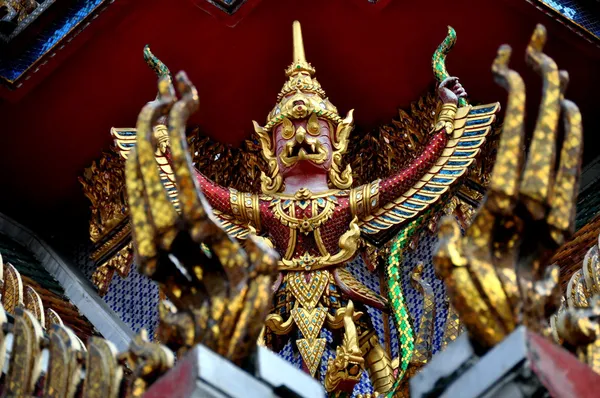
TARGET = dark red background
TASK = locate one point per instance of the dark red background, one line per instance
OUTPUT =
(372, 59)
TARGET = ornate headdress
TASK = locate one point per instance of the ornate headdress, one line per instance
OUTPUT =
(302, 85)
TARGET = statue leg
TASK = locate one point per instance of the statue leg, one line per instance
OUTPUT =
(345, 370)
(359, 346)
(377, 360)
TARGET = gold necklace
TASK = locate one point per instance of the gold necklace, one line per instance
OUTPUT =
(285, 210)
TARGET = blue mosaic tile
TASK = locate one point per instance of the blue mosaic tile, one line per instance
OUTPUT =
(290, 356)
(134, 299)
(11, 69)
(414, 299)
(364, 385)
(578, 13)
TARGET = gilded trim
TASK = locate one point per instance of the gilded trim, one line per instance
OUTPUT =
(348, 244)
(364, 199)
(285, 212)
(291, 247)
(245, 207)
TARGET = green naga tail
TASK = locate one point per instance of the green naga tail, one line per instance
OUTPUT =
(400, 313)
(156, 64)
(438, 60)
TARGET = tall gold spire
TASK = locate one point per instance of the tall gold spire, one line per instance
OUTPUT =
(299, 64)
(298, 43)
(301, 81)
(302, 98)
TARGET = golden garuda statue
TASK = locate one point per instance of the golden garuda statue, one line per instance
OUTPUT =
(310, 213)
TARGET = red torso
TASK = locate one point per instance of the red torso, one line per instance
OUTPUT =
(279, 217)
(306, 243)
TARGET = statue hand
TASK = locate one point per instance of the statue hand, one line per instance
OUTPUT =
(450, 90)
(497, 273)
(221, 292)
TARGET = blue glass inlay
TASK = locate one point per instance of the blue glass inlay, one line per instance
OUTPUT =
(368, 230)
(401, 212)
(422, 197)
(450, 172)
(473, 133)
(128, 133)
(377, 224)
(467, 144)
(481, 110)
(440, 180)
(457, 163)
(12, 68)
(429, 188)
(128, 144)
(388, 217)
(412, 205)
(463, 153)
(475, 122)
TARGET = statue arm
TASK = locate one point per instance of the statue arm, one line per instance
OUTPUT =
(217, 196)
(454, 145)
(235, 210)
(457, 136)
(367, 198)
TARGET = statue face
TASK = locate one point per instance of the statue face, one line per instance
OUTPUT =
(303, 146)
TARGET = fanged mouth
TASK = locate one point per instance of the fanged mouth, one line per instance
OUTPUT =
(311, 150)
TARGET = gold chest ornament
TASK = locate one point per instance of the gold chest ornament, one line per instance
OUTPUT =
(322, 208)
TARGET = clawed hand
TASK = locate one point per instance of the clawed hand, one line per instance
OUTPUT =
(497, 274)
(220, 291)
(450, 90)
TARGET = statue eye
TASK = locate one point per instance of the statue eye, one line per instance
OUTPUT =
(288, 129)
(313, 126)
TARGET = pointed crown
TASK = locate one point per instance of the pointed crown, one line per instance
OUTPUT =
(301, 85)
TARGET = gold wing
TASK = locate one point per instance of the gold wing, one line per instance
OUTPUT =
(125, 139)
(472, 125)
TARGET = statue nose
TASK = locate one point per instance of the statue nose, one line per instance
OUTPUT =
(300, 134)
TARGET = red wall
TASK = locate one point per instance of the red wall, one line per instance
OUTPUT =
(372, 61)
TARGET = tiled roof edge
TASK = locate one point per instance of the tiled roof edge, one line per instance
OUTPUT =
(590, 174)
(76, 286)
